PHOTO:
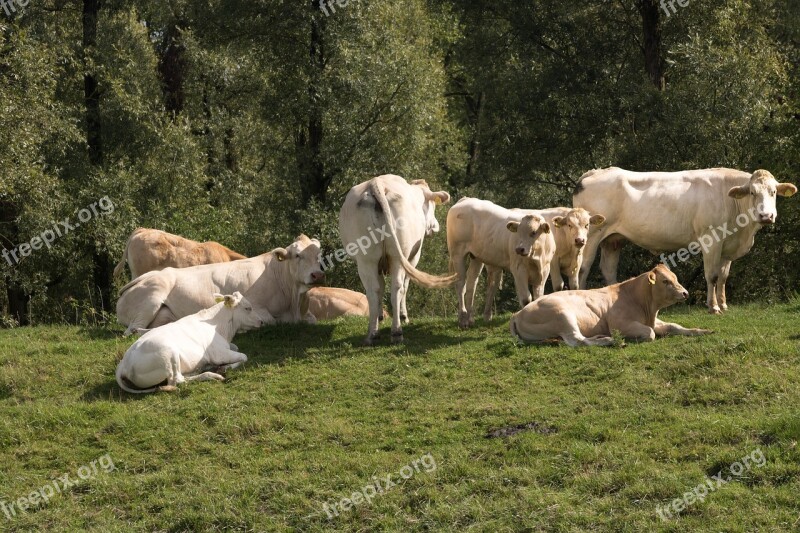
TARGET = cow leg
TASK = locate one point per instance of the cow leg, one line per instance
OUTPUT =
(163, 317)
(572, 335)
(520, 273)
(636, 331)
(538, 289)
(403, 308)
(555, 275)
(473, 273)
(609, 260)
(206, 376)
(589, 253)
(724, 271)
(398, 284)
(664, 329)
(227, 359)
(374, 286)
(711, 264)
(460, 268)
(494, 277)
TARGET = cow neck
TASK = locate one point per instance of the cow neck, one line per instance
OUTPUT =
(289, 290)
(215, 317)
(642, 293)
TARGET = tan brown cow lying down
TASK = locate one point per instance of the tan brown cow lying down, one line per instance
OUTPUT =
(589, 317)
(152, 249)
(327, 303)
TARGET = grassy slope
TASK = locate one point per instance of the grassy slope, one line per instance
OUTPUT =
(314, 416)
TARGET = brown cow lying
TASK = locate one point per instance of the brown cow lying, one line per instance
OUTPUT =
(327, 303)
(589, 317)
(152, 249)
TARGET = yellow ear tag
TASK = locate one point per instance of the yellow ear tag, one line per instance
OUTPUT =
(438, 201)
(229, 304)
(652, 281)
(280, 257)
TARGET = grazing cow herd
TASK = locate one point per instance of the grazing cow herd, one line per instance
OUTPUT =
(188, 299)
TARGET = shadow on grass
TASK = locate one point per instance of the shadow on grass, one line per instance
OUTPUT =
(101, 333)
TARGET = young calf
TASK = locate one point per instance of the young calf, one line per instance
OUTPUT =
(589, 317)
(183, 350)
(499, 238)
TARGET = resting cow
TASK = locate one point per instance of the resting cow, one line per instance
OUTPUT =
(570, 229)
(327, 303)
(714, 211)
(275, 283)
(519, 241)
(384, 221)
(590, 317)
(186, 349)
(152, 249)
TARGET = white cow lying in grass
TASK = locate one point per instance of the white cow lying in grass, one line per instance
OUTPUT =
(185, 349)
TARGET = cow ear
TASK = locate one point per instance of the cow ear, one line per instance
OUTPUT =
(558, 221)
(786, 189)
(218, 297)
(230, 301)
(596, 220)
(651, 277)
(438, 198)
(281, 253)
(545, 227)
(739, 192)
(512, 226)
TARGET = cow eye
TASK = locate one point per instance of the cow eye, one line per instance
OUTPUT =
(587, 226)
(666, 282)
(533, 234)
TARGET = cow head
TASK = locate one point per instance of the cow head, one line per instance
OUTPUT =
(302, 258)
(244, 318)
(432, 199)
(665, 288)
(761, 191)
(576, 224)
(528, 230)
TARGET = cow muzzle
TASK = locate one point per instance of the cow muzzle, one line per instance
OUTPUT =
(317, 277)
(521, 251)
(580, 242)
(766, 218)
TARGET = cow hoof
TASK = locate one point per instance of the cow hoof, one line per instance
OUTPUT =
(715, 311)
(724, 307)
(404, 319)
(397, 337)
(487, 317)
(168, 388)
(369, 340)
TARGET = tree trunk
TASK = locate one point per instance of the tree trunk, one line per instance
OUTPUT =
(651, 25)
(477, 108)
(308, 141)
(17, 297)
(91, 94)
(172, 68)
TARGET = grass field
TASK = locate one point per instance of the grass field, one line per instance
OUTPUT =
(314, 417)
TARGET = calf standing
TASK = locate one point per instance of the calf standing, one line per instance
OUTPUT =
(183, 350)
(502, 239)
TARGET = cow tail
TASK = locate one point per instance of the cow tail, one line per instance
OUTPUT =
(121, 381)
(422, 278)
(121, 265)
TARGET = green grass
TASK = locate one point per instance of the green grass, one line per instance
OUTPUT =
(314, 416)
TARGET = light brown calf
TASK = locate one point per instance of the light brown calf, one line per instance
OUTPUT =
(327, 303)
(152, 249)
(590, 317)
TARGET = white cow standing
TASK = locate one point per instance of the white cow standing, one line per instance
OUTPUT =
(717, 211)
(384, 221)
(519, 241)
(184, 350)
